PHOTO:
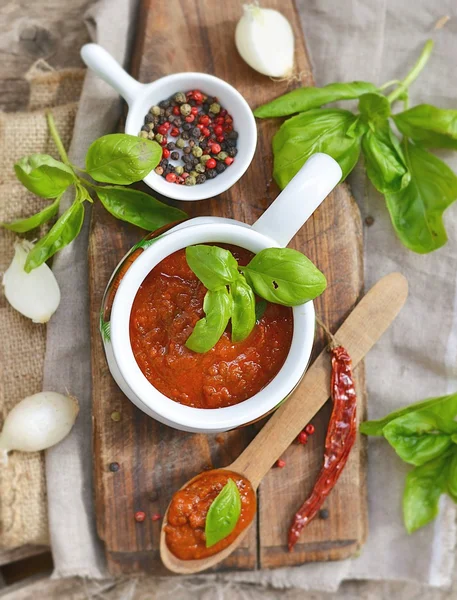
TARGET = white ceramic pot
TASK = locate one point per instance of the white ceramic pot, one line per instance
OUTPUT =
(141, 96)
(275, 228)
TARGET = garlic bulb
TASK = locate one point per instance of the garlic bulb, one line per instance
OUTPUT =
(36, 295)
(265, 40)
(38, 422)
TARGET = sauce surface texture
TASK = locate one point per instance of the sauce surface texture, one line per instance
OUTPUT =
(166, 308)
(185, 527)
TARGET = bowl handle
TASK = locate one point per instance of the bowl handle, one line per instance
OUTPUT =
(108, 69)
(300, 198)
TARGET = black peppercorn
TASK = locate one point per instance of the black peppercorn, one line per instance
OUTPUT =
(164, 163)
(201, 178)
(164, 104)
(211, 173)
(168, 111)
(220, 167)
(232, 135)
(174, 155)
(196, 132)
(232, 152)
(185, 135)
(145, 128)
(187, 126)
(178, 122)
(149, 118)
(186, 150)
(171, 145)
(324, 514)
(224, 146)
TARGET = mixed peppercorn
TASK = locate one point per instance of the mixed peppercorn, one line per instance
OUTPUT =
(195, 132)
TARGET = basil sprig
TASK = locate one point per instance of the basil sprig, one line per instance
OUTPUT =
(223, 514)
(279, 275)
(418, 186)
(116, 159)
(424, 435)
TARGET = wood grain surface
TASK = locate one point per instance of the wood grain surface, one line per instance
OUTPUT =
(155, 460)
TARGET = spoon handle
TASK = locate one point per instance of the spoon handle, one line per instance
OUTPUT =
(361, 330)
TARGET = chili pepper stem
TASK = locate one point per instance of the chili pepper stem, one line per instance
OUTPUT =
(333, 343)
(414, 73)
(56, 137)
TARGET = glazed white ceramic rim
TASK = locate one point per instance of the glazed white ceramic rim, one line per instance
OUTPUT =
(243, 119)
(180, 415)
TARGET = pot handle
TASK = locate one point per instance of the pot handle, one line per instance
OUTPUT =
(300, 198)
(108, 69)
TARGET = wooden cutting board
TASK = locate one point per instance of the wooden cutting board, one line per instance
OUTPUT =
(155, 460)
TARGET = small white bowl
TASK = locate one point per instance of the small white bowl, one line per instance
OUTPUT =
(275, 228)
(141, 96)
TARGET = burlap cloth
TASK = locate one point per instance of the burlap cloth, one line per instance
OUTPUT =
(23, 503)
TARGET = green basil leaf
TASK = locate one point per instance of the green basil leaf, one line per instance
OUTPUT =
(223, 514)
(243, 309)
(284, 276)
(138, 208)
(64, 231)
(318, 130)
(418, 436)
(417, 210)
(214, 266)
(121, 158)
(312, 97)
(207, 331)
(23, 225)
(384, 160)
(260, 308)
(423, 488)
(428, 125)
(443, 407)
(357, 128)
(452, 476)
(43, 175)
(374, 108)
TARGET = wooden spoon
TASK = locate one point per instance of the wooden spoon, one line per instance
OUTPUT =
(361, 330)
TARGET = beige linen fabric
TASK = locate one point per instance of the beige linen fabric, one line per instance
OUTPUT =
(357, 39)
(23, 511)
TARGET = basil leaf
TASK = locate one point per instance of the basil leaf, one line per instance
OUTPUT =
(384, 160)
(43, 175)
(23, 225)
(312, 97)
(428, 125)
(207, 331)
(423, 488)
(374, 108)
(284, 276)
(452, 476)
(138, 208)
(214, 266)
(417, 210)
(260, 308)
(419, 436)
(121, 158)
(318, 130)
(223, 514)
(243, 309)
(444, 407)
(64, 231)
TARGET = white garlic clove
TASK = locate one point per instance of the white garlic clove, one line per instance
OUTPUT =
(36, 295)
(38, 422)
(265, 40)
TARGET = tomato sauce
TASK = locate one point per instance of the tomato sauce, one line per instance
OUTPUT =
(166, 308)
(186, 517)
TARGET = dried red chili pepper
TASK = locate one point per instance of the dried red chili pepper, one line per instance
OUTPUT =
(341, 436)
